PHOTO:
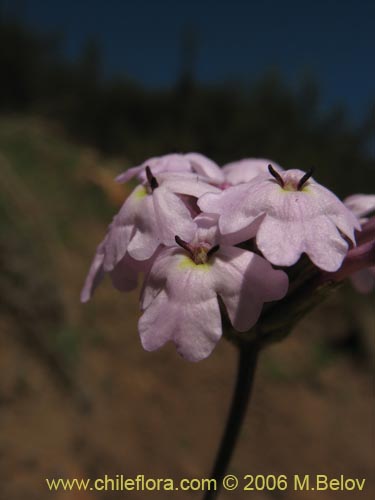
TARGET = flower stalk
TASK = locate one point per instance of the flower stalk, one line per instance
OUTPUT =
(247, 362)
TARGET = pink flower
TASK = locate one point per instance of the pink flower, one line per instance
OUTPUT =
(180, 298)
(248, 169)
(230, 175)
(150, 217)
(124, 273)
(290, 213)
(362, 205)
(233, 173)
(175, 164)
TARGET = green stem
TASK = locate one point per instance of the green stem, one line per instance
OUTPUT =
(248, 355)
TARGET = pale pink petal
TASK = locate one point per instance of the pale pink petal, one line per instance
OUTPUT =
(300, 221)
(194, 327)
(185, 311)
(157, 324)
(280, 241)
(95, 274)
(199, 328)
(206, 167)
(245, 281)
(117, 241)
(134, 230)
(187, 184)
(246, 170)
(242, 235)
(145, 241)
(208, 230)
(172, 216)
(122, 228)
(129, 174)
(172, 269)
(157, 276)
(336, 211)
(125, 275)
(361, 204)
(324, 244)
(229, 204)
(167, 163)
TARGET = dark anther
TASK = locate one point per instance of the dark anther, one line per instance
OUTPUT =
(305, 178)
(151, 179)
(213, 250)
(276, 175)
(182, 244)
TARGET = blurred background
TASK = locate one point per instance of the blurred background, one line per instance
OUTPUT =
(91, 88)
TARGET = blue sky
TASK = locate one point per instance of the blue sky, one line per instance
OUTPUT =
(333, 40)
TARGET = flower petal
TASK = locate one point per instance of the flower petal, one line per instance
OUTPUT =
(324, 244)
(187, 184)
(122, 228)
(129, 174)
(172, 216)
(228, 204)
(145, 241)
(245, 281)
(185, 311)
(246, 170)
(281, 242)
(117, 241)
(206, 167)
(95, 274)
(125, 275)
(360, 204)
(167, 163)
(337, 212)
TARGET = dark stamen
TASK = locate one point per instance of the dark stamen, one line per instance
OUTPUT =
(276, 175)
(151, 179)
(213, 250)
(183, 244)
(305, 178)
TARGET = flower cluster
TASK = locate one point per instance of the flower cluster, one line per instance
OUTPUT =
(188, 228)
